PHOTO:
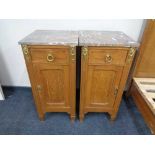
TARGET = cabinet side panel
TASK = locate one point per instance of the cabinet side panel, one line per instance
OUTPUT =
(27, 56)
(123, 81)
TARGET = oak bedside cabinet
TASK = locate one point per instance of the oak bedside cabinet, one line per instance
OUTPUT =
(50, 58)
(106, 58)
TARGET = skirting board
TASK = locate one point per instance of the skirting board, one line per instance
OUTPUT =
(1, 94)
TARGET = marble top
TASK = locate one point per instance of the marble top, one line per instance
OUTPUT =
(51, 37)
(81, 38)
(105, 38)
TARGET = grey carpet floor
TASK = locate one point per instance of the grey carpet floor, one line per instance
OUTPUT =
(18, 116)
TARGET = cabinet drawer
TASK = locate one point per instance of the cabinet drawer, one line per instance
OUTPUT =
(53, 55)
(107, 56)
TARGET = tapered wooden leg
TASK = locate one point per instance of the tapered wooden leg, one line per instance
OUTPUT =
(72, 117)
(73, 113)
(42, 117)
(113, 116)
(81, 117)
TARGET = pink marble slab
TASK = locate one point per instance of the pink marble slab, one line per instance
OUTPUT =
(51, 37)
(105, 38)
(81, 38)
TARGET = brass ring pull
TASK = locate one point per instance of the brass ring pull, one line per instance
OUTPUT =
(108, 58)
(50, 57)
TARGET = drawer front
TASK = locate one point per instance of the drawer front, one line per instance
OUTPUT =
(107, 56)
(52, 55)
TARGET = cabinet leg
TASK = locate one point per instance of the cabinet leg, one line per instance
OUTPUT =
(72, 117)
(81, 117)
(113, 116)
(42, 117)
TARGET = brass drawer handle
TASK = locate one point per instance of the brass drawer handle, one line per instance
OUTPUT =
(108, 58)
(50, 57)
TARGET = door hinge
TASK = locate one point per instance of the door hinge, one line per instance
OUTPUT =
(116, 91)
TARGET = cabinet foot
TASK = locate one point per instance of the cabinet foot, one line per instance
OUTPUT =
(42, 118)
(81, 117)
(113, 116)
(72, 118)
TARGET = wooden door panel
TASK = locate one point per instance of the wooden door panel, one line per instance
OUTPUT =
(101, 84)
(54, 81)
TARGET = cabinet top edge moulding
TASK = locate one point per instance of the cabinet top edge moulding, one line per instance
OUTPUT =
(106, 38)
(51, 37)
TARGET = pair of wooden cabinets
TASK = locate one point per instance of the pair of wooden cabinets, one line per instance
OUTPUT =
(52, 72)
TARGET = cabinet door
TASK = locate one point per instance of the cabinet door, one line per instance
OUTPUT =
(102, 84)
(53, 86)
